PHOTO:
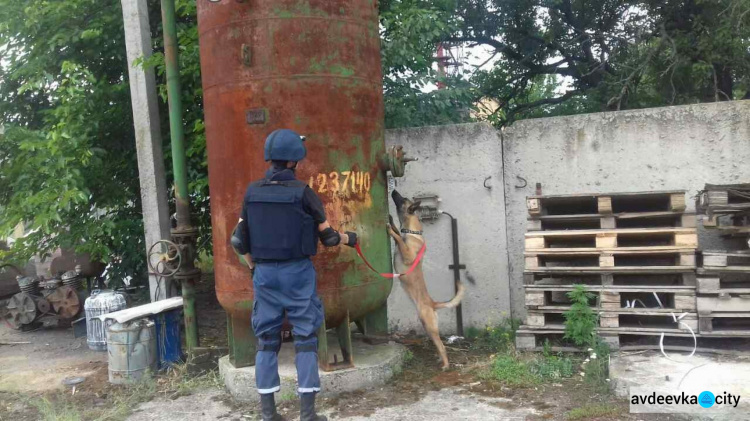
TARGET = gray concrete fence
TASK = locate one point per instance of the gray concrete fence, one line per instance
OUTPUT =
(483, 177)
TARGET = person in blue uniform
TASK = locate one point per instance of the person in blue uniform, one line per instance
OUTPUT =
(281, 222)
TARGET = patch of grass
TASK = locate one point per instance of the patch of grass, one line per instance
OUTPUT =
(179, 382)
(500, 338)
(122, 400)
(593, 411)
(120, 403)
(56, 411)
(529, 369)
(552, 367)
(513, 371)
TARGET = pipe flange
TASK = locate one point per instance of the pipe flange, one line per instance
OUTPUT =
(396, 160)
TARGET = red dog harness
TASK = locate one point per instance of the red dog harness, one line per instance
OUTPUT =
(393, 275)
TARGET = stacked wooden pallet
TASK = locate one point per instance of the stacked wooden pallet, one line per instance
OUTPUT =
(727, 207)
(636, 252)
(724, 278)
(724, 294)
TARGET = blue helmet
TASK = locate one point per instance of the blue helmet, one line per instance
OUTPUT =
(285, 145)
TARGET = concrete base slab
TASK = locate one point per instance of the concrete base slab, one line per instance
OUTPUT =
(651, 371)
(373, 366)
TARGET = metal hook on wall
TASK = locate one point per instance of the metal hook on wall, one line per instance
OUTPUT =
(485, 183)
(525, 183)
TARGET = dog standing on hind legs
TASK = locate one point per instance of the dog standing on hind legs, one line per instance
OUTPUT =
(414, 284)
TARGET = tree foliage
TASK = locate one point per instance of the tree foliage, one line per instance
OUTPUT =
(67, 159)
(595, 54)
(410, 32)
(68, 167)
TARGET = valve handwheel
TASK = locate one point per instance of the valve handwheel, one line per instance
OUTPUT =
(164, 258)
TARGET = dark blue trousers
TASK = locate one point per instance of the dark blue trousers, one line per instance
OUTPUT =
(289, 287)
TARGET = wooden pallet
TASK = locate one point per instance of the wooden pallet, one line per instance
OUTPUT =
(681, 278)
(729, 224)
(646, 320)
(724, 198)
(716, 282)
(724, 302)
(733, 231)
(726, 221)
(666, 219)
(725, 324)
(635, 238)
(535, 340)
(610, 258)
(606, 203)
(554, 298)
(727, 261)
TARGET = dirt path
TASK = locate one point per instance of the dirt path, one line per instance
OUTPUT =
(52, 355)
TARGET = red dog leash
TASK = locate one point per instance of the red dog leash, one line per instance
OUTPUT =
(393, 275)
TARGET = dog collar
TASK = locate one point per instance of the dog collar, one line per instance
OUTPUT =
(406, 231)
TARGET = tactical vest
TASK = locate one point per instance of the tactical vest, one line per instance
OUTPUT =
(280, 229)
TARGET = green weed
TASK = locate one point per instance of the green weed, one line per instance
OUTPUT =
(124, 399)
(581, 320)
(596, 367)
(511, 370)
(408, 356)
(499, 338)
(56, 411)
(552, 367)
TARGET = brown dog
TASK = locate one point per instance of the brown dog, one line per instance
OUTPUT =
(413, 283)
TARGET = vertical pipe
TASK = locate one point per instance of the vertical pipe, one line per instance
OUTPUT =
(457, 276)
(174, 93)
(184, 231)
(191, 323)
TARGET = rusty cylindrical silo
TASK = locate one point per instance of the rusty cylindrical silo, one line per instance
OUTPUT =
(312, 66)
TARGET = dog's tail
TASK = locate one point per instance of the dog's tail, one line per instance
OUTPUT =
(456, 300)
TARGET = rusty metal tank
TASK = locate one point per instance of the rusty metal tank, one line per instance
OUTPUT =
(312, 66)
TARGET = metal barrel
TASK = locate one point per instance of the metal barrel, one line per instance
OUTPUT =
(312, 66)
(132, 351)
(101, 302)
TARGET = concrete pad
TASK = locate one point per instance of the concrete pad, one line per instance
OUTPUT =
(651, 371)
(373, 366)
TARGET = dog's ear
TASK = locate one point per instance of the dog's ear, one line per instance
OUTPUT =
(413, 208)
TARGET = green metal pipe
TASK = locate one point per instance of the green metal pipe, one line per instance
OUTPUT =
(174, 93)
(184, 234)
(188, 309)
